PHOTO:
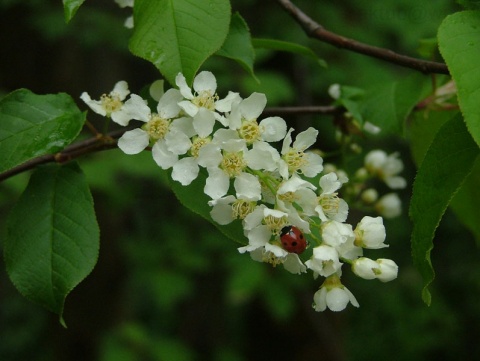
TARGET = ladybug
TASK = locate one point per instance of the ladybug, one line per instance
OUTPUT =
(293, 240)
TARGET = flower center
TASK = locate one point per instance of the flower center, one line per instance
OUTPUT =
(205, 99)
(111, 103)
(330, 204)
(269, 257)
(295, 159)
(233, 163)
(242, 208)
(288, 197)
(157, 127)
(197, 144)
(275, 224)
(250, 131)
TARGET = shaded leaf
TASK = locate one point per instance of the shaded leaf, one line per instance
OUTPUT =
(286, 46)
(466, 203)
(459, 44)
(52, 236)
(388, 105)
(194, 198)
(70, 7)
(179, 35)
(446, 165)
(238, 45)
(32, 125)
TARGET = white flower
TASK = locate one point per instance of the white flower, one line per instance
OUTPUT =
(389, 205)
(383, 269)
(335, 233)
(275, 255)
(388, 270)
(111, 105)
(167, 144)
(335, 91)
(244, 119)
(262, 156)
(228, 208)
(330, 206)
(299, 191)
(333, 295)
(370, 233)
(369, 195)
(386, 167)
(324, 261)
(294, 157)
(371, 128)
(342, 237)
(365, 268)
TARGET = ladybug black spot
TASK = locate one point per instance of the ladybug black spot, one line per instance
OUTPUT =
(294, 244)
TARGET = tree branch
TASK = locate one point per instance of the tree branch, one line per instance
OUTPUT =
(108, 141)
(315, 30)
(73, 151)
(321, 109)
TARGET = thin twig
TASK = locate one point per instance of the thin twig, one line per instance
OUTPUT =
(103, 142)
(315, 30)
(321, 109)
(73, 151)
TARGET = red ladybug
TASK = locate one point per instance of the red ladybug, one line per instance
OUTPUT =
(293, 240)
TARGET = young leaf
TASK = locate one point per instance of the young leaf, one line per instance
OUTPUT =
(32, 125)
(52, 236)
(459, 44)
(179, 35)
(238, 45)
(70, 8)
(194, 198)
(445, 166)
(388, 105)
(286, 46)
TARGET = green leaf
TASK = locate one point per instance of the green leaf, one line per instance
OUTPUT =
(32, 125)
(179, 35)
(388, 105)
(70, 7)
(194, 198)
(447, 163)
(238, 45)
(286, 46)
(459, 44)
(52, 236)
(466, 203)
(422, 128)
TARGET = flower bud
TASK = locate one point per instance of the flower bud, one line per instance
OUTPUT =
(388, 270)
(365, 268)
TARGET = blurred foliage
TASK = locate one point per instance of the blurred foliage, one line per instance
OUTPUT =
(169, 286)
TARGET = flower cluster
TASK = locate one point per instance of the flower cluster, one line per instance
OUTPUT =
(261, 175)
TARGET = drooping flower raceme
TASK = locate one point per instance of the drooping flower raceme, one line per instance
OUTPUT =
(259, 174)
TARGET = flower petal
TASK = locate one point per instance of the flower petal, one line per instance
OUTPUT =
(185, 171)
(133, 141)
(217, 183)
(248, 187)
(205, 81)
(168, 104)
(305, 139)
(183, 87)
(162, 156)
(253, 106)
(274, 129)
